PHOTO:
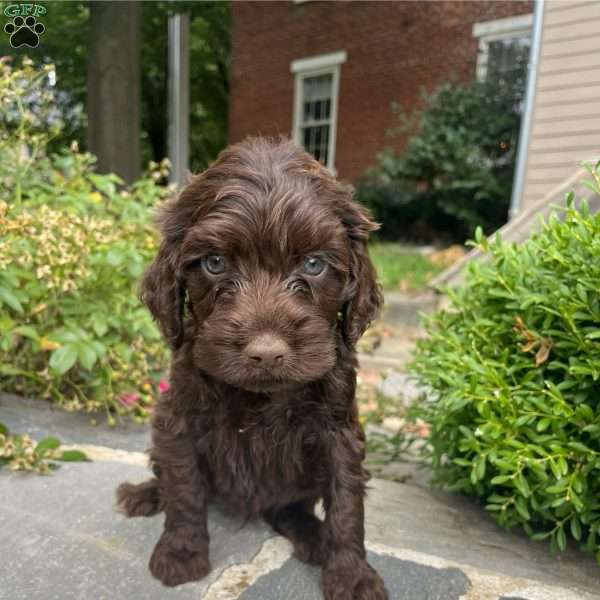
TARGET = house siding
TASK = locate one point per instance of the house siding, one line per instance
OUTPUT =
(566, 117)
(394, 50)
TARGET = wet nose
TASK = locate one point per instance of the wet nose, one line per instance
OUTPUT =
(267, 350)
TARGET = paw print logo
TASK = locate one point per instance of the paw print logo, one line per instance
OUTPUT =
(24, 32)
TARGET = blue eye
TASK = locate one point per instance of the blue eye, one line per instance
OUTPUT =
(313, 265)
(215, 264)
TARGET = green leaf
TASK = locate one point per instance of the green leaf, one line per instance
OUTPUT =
(73, 456)
(99, 324)
(521, 506)
(63, 358)
(9, 298)
(543, 424)
(87, 356)
(562, 463)
(559, 487)
(561, 539)
(575, 528)
(478, 234)
(480, 468)
(500, 479)
(522, 485)
(47, 443)
(27, 331)
(580, 447)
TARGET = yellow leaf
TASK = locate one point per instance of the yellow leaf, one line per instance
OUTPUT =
(39, 308)
(46, 344)
(96, 197)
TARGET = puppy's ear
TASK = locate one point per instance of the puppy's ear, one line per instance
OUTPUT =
(363, 293)
(162, 289)
(163, 292)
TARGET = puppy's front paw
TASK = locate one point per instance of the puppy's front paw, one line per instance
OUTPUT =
(177, 560)
(352, 579)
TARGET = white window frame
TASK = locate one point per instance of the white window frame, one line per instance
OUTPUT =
(323, 64)
(499, 29)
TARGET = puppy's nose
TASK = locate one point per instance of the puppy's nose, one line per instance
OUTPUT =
(267, 350)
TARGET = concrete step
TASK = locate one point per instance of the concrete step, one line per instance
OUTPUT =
(400, 310)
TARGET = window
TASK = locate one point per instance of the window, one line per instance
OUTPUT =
(504, 46)
(316, 88)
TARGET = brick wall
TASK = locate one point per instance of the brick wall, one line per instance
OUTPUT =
(394, 50)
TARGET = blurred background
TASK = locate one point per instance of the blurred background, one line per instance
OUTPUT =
(419, 104)
(452, 120)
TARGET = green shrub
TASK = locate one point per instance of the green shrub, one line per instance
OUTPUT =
(73, 245)
(514, 372)
(456, 172)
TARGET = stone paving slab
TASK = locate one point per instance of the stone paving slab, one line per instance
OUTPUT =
(405, 580)
(61, 539)
(455, 529)
(66, 542)
(39, 418)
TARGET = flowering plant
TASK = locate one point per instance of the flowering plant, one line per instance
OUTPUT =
(73, 244)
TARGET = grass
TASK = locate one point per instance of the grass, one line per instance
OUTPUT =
(400, 269)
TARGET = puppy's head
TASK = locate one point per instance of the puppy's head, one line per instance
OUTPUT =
(264, 257)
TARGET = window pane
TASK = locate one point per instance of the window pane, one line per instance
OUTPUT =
(306, 111)
(316, 112)
(316, 141)
(316, 100)
(507, 62)
(317, 88)
(306, 138)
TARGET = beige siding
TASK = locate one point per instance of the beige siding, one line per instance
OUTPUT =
(566, 117)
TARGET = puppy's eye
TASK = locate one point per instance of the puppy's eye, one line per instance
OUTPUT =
(215, 264)
(313, 265)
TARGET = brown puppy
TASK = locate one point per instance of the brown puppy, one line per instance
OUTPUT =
(262, 287)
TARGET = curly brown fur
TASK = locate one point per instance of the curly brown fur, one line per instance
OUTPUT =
(261, 416)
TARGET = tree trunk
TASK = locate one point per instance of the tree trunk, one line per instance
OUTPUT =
(114, 87)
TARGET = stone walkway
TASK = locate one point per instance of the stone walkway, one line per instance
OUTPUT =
(61, 539)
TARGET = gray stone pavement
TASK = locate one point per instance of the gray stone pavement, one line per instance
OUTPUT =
(61, 539)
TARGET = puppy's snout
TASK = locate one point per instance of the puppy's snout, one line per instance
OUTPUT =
(267, 351)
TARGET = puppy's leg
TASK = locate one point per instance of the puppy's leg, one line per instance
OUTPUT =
(299, 524)
(181, 554)
(346, 574)
(141, 500)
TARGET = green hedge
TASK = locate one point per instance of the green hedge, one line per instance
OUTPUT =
(514, 369)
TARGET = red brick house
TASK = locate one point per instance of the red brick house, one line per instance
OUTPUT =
(327, 73)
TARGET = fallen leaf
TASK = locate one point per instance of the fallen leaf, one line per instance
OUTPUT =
(544, 351)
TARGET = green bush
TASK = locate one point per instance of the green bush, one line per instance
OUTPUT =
(73, 245)
(456, 172)
(514, 372)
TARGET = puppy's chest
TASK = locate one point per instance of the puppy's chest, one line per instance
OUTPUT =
(255, 457)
